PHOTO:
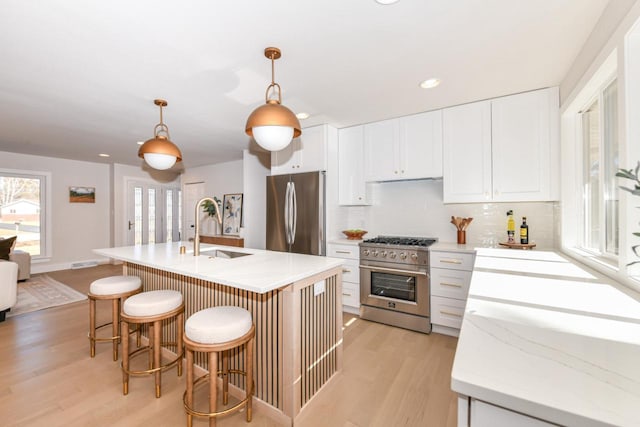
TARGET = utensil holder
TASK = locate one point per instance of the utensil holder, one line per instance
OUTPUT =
(462, 237)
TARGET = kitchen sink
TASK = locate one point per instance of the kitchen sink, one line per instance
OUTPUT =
(220, 253)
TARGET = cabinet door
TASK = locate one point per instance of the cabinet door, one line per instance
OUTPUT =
(352, 189)
(486, 415)
(286, 160)
(421, 145)
(381, 151)
(313, 149)
(467, 153)
(521, 145)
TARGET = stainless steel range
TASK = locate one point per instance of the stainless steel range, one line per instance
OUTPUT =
(394, 281)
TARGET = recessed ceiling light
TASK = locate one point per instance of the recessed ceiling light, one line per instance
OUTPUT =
(103, 155)
(302, 116)
(430, 83)
(387, 1)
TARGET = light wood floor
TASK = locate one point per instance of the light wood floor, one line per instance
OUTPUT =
(391, 377)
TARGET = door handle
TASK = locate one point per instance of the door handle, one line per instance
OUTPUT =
(394, 270)
(295, 212)
(130, 224)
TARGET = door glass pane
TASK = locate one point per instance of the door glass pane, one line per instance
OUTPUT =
(610, 151)
(152, 216)
(169, 215)
(393, 286)
(20, 211)
(137, 215)
(591, 136)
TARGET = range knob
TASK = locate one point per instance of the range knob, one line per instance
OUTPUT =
(414, 256)
(392, 255)
(375, 253)
(383, 254)
(365, 252)
(403, 255)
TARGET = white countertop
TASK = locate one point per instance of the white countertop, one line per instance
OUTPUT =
(550, 338)
(261, 272)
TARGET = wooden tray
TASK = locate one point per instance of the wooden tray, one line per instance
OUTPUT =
(518, 245)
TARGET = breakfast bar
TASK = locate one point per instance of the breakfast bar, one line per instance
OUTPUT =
(295, 301)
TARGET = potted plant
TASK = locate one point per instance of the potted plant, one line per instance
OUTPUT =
(210, 210)
(632, 174)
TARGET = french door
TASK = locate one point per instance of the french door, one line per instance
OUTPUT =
(154, 213)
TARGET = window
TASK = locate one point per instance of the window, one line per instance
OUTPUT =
(600, 214)
(23, 208)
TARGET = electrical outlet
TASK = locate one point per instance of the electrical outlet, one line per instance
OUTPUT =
(318, 288)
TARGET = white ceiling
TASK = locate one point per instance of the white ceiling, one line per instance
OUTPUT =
(78, 78)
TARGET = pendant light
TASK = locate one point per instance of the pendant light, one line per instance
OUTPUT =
(159, 152)
(273, 125)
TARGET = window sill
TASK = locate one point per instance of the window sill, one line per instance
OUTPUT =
(603, 265)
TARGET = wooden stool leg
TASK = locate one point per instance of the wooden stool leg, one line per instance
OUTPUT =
(125, 357)
(157, 348)
(115, 325)
(179, 338)
(213, 383)
(92, 327)
(225, 377)
(189, 385)
(248, 366)
(150, 337)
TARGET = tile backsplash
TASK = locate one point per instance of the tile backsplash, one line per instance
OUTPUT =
(415, 208)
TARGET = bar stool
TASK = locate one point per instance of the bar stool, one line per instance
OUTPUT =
(214, 330)
(152, 308)
(116, 289)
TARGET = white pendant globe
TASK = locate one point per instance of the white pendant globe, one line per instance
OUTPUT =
(273, 138)
(159, 161)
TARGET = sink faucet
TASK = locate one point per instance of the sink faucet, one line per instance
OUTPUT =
(196, 239)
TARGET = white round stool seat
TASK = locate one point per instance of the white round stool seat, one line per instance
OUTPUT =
(218, 324)
(115, 285)
(152, 303)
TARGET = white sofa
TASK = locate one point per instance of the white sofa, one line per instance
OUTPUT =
(8, 287)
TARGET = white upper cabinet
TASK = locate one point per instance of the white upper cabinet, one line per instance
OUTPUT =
(352, 188)
(307, 153)
(502, 150)
(406, 148)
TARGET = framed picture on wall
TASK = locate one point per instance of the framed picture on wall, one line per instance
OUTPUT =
(82, 194)
(231, 214)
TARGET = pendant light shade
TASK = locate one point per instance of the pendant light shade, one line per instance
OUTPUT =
(273, 125)
(159, 152)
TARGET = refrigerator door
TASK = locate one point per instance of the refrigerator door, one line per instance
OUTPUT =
(308, 226)
(278, 231)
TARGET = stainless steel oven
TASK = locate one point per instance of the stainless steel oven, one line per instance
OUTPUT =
(394, 282)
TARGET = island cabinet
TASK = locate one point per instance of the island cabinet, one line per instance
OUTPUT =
(352, 187)
(476, 413)
(307, 153)
(502, 150)
(408, 147)
(295, 301)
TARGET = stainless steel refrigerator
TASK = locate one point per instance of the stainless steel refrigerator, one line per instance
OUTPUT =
(295, 213)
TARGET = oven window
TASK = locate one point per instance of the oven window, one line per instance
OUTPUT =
(393, 286)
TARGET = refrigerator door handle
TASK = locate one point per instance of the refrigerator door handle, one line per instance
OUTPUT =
(294, 210)
(287, 220)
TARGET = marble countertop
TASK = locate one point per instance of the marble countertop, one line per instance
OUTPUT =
(550, 338)
(260, 272)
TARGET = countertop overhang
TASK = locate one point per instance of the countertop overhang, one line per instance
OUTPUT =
(550, 338)
(261, 272)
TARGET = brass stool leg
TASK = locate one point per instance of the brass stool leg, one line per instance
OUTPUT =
(213, 383)
(125, 357)
(180, 342)
(189, 385)
(115, 325)
(225, 377)
(157, 348)
(248, 366)
(92, 327)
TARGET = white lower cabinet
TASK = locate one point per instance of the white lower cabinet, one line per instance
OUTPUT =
(450, 278)
(476, 413)
(350, 274)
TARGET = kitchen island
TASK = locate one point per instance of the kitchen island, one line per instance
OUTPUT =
(295, 301)
(546, 341)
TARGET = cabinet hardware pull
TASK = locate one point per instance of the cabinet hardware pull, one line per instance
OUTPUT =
(346, 295)
(346, 270)
(343, 252)
(455, 285)
(450, 313)
(450, 261)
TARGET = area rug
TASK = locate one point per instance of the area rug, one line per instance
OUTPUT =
(40, 292)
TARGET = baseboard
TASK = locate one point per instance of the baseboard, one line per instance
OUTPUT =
(445, 330)
(45, 268)
(351, 310)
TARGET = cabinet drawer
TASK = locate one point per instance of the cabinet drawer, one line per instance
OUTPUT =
(452, 260)
(447, 311)
(351, 271)
(343, 251)
(351, 294)
(450, 283)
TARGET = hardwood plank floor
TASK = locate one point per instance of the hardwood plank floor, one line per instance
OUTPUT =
(391, 377)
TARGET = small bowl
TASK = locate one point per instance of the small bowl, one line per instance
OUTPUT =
(354, 235)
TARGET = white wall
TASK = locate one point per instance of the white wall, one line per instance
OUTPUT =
(256, 167)
(77, 228)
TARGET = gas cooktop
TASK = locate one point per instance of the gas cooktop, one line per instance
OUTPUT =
(401, 241)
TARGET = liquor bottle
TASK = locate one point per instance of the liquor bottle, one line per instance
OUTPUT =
(511, 227)
(524, 231)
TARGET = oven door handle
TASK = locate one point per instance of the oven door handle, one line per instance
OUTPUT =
(395, 270)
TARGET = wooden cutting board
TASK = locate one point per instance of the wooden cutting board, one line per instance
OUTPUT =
(518, 245)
